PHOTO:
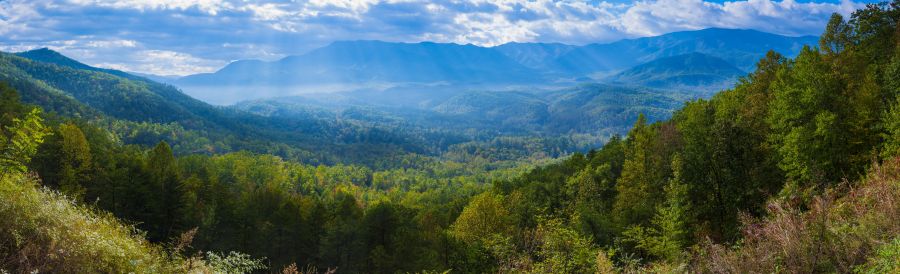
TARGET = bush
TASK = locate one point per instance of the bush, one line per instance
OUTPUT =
(43, 231)
(834, 235)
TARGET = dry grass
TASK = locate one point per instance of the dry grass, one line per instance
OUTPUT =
(43, 231)
(834, 235)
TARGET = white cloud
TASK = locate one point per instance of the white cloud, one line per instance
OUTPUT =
(208, 6)
(161, 62)
(112, 43)
(787, 17)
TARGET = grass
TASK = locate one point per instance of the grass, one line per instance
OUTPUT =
(847, 229)
(43, 231)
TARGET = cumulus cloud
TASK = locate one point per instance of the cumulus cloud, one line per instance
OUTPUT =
(190, 36)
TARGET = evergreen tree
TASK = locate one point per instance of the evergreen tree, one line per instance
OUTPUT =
(806, 129)
(646, 169)
(670, 228)
(165, 195)
(74, 159)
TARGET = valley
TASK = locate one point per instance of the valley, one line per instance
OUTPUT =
(708, 150)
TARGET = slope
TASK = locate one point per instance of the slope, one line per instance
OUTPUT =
(741, 48)
(136, 106)
(691, 71)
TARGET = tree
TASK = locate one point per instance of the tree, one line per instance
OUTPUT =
(19, 141)
(806, 130)
(836, 36)
(11, 106)
(646, 169)
(562, 250)
(165, 195)
(483, 217)
(669, 232)
(74, 160)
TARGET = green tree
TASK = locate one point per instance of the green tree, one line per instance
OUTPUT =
(669, 232)
(646, 169)
(165, 195)
(562, 250)
(74, 160)
(11, 106)
(836, 36)
(484, 217)
(806, 129)
(19, 141)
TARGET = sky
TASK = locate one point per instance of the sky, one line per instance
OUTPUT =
(181, 37)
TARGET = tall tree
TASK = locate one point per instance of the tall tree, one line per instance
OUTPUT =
(74, 160)
(806, 129)
(165, 193)
(646, 169)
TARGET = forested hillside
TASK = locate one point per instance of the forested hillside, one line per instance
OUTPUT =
(795, 169)
(596, 111)
(140, 111)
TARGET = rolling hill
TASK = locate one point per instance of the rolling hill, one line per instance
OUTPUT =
(588, 108)
(144, 112)
(686, 71)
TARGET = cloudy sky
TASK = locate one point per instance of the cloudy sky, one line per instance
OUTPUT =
(179, 37)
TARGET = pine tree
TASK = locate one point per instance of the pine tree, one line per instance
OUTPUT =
(669, 232)
(166, 196)
(74, 160)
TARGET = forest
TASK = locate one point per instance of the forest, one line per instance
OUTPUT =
(794, 169)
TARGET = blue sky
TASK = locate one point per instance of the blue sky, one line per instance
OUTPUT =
(179, 37)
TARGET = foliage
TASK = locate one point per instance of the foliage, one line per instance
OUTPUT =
(483, 217)
(767, 176)
(19, 141)
(886, 260)
(233, 263)
(835, 235)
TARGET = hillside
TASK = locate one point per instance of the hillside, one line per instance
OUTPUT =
(694, 71)
(741, 48)
(43, 230)
(143, 111)
(597, 109)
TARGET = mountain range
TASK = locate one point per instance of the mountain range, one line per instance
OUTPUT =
(350, 65)
(327, 127)
(687, 71)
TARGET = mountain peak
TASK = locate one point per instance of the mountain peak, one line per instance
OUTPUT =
(47, 55)
(685, 70)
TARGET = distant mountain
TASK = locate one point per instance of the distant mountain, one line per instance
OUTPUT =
(588, 109)
(741, 48)
(374, 61)
(692, 70)
(534, 55)
(49, 56)
(158, 78)
(353, 65)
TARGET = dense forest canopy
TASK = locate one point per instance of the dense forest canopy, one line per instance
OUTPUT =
(794, 169)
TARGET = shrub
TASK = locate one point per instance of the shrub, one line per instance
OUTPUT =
(834, 235)
(43, 231)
